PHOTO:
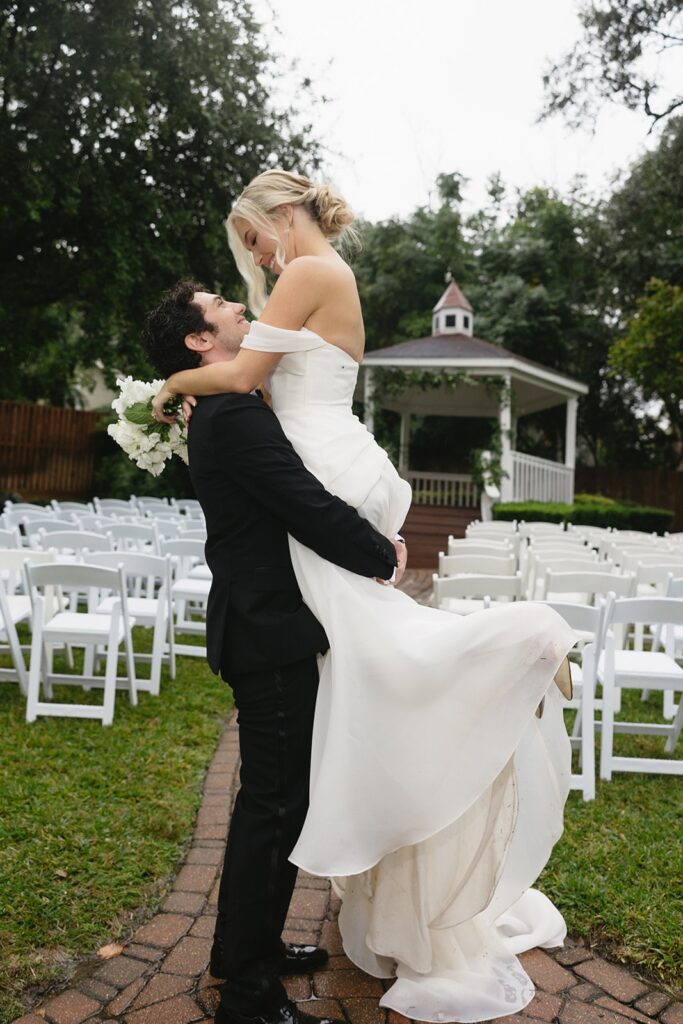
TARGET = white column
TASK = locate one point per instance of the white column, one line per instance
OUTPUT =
(368, 407)
(570, 433)
(505, 424)
(570, 445)
(404, 444)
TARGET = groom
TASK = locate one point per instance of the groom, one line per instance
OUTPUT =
(254, 490)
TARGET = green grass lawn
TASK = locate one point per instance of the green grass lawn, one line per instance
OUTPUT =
(94, 821)
(617, 872)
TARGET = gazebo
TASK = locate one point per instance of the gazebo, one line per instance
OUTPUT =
(525, 387)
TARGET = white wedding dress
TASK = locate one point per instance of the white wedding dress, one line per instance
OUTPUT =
(436, 793)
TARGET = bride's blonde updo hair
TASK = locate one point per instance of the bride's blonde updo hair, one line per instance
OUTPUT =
(259, 203)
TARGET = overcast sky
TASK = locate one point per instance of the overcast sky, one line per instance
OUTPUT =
(418, 87)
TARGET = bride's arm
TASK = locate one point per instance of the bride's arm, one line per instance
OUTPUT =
(294, 298)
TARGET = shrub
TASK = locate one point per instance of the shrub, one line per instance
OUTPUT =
(589, 510)
(536, 511)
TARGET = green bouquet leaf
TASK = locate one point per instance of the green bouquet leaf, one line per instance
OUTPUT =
(140, 413)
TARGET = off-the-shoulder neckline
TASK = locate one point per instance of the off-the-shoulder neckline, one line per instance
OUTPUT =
(307, 330)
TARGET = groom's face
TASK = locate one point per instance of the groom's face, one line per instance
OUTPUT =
(227, 320)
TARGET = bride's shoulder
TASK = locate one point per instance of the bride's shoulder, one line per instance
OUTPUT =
(314, 269)
(305, 284)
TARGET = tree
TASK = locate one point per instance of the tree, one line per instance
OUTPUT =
(402, 266)
(651, 354)
(539, 271)
(126, 129)
(642, 224)
(613, 61)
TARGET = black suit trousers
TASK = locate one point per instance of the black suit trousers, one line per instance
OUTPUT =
(275, 717)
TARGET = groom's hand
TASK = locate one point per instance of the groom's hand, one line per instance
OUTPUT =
(401, 560)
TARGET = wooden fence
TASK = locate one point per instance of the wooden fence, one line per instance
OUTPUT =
(662, 488)
(46, 452)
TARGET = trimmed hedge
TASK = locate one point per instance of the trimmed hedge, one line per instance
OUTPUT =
(589, 510)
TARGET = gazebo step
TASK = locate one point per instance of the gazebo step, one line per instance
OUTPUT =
(427, 528)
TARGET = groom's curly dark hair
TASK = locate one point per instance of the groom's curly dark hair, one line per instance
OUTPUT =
(166, 327)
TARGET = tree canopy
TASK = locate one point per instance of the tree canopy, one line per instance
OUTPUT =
(651, 354)
(126, 129)
(555, 278)
(617, 61)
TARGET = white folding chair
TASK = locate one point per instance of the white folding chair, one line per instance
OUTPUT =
(26, 508)
(587, 620)
(81, 629)
(534, 566)
(151, 612)
(586, 586)
(674, 589)
(158, 504)
(105, 506)
(497, 526)
(167, 529)
(463, 595)
(16, 608)
(481, 565)
(481, 546)
(194, 535)
(539, 529)
(33, 527)
(142, 537)
(640, 670)
(10, 538)
(62, 507)
(73, 543)
(189, 593)
(187, 506)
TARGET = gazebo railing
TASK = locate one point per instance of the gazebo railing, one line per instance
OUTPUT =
(535, 479)
(453, 489)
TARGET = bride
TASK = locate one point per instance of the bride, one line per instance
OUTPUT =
(440, 763)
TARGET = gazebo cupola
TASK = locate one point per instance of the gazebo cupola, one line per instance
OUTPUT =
(453, 313)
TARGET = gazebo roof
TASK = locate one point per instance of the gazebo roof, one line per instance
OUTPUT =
(535, 386)
(452, 297)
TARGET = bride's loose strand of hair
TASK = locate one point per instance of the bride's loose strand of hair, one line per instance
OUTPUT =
(258, 204)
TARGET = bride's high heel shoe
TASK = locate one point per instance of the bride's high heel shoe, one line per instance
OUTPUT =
(563, 681)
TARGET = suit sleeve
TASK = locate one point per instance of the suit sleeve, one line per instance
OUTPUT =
(258, 455)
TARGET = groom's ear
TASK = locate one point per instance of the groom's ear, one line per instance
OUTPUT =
(197, 343)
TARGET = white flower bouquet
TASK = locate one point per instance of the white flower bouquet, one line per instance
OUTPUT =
(148, 443)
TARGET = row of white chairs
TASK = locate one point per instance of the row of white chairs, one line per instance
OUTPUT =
(165, 591)
(604, 658)
(490, 549)
(183, 506)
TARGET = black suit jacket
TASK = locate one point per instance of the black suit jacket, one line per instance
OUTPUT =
(254, 490)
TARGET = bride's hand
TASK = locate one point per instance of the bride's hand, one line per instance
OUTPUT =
(189, 402)
(167, 394)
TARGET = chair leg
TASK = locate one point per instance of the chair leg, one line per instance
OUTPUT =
(674, 736)
(588, 731)
(33, 694)
(17, 656)
(171, 645)
(110, 677)
(47, 660)
(89, 663)
(157, 652)
(607, 736)
(130, 668)
(669, 707)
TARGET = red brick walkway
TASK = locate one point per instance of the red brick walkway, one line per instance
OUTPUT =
(161, 976)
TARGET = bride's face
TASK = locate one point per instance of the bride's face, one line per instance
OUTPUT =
(263, 246)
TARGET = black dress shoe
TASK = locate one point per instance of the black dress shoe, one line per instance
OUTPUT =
(303, 959)
(287, 1014)
(297, 959)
